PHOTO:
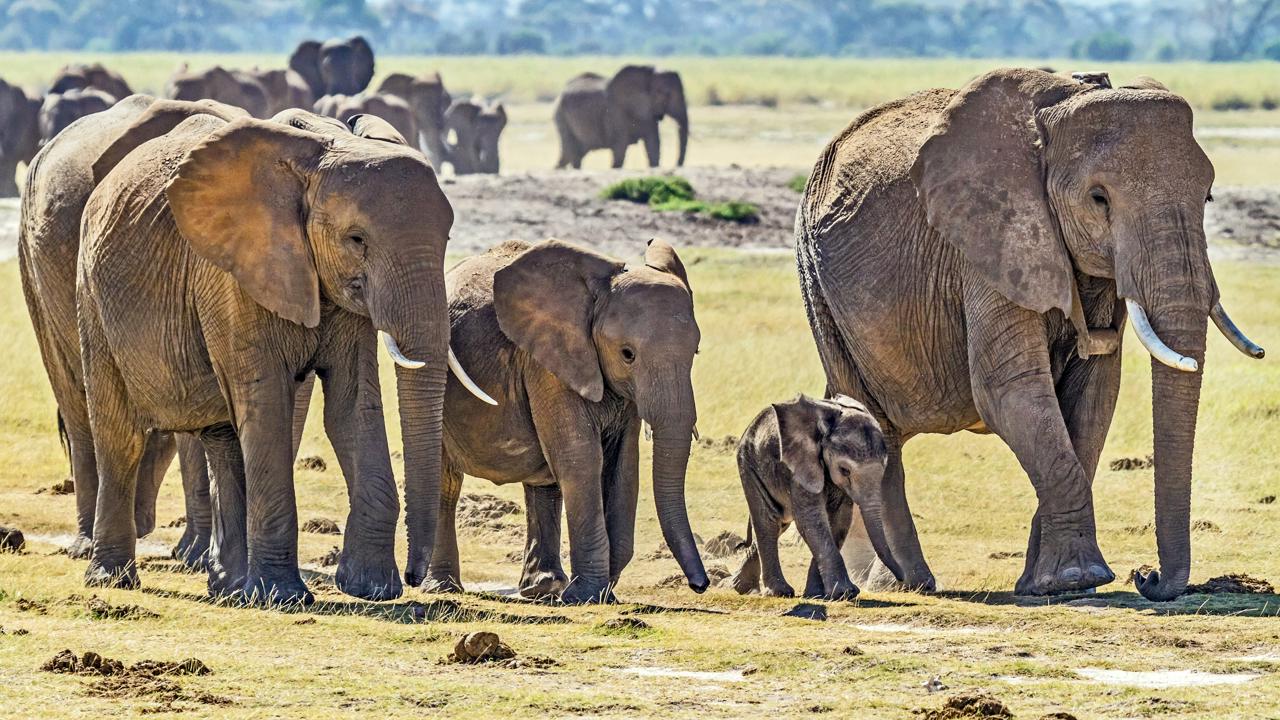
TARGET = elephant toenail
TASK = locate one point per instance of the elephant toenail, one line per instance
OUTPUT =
(1099, 571)
(1071, 574)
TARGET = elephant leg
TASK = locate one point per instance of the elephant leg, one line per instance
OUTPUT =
(904, 542)
(445, 572)
(747, 579)
(542, 576)
(621, 493)
(765, 527)
(619, 154)
(9, 177)
(815, 527)
(84, 474)
(570, 153)
(1014, 393)
(228, 556)
(865, 567)
(193, 547)
(301, 406)
(652, 144)
(840, 517)
(156, 458)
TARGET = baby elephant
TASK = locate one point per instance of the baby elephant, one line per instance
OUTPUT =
(809, 460)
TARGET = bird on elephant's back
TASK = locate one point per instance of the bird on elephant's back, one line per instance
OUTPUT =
(594, 113)
(579, 349)
(968, 260)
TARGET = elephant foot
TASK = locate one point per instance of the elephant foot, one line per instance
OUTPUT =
(281, 587)
(778, 588)
(417, 569)
(192, 550)
(374, 580)
(144, 521)
(580, 591)
(106, 574)
(543, 584)
(81, 548)
(224, 583)
(744, 585)
(1068, 561)
(442, 583)
(841, 591)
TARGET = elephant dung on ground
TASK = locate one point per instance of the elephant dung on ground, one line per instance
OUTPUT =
(231, 87)
(19, 134)
(968, 258)
(594, 113)
(428, 100)
(476, 128)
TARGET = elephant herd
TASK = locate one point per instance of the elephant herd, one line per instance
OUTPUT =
(333, 79)
(967, 260)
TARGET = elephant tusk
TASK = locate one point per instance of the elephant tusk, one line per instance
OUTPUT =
(398, 356)
(1152, 342)
(1233, 334)
(466, 380)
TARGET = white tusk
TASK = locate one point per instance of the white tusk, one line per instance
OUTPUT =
(466, 380)
(1152, 342)
(1233, 334)
(398, 356)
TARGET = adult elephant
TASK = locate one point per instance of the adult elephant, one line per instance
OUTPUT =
(58, 110)
(968, 259)
(429, 100)
(388, 107)
(579, 348)
(58, 186)
(81, 76)
(595, 113)
(284, 89)
(300, 242)
(231, 87)
(476, 127)
(19, 134)
(336, 67)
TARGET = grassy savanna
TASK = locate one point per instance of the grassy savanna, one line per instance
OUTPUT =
(758, 111)
(869, 659)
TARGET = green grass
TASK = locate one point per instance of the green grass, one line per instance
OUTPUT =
(798, 182)
(970, 497)
(671, 193)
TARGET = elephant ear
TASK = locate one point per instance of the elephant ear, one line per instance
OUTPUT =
(632, 88)
(159, 118)
(802, 425)
(238, 199)
(545, 302)
(1146, 82)
(980, 180)
(661, 256)
(374, 128)
(363, 53)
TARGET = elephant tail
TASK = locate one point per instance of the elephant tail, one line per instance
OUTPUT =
(62, 437)
(745, 544)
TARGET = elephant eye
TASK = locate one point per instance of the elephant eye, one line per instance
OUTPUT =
(357, 240)
(1100, 200)
(844, 471)
(628, 355)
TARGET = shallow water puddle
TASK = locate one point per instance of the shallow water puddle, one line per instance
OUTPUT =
(1160, 679)
(723, 676)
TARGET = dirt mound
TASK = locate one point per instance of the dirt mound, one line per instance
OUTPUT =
(180, 521)
(66, 487)
(491, 514)
(311, 462)
(35, 606)
(11, 540)
(1235, 583)
(1133, 463)
(1058, 716)
(1007, 554)
(961, 707)
(1206, 526)
(19, 632)
(100, 609)
(330, 558)
(715, 573)
(1266, 499)
(480, 647)
(724, 544)
(321, 526)
(662, 552)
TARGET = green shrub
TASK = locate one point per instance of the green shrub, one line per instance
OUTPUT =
(1232, 101)
(798, 181)
(654, 190)
(735, 211)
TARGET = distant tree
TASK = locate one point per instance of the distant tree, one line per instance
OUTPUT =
(1272, 51)
(1239, 26)
(522, 42)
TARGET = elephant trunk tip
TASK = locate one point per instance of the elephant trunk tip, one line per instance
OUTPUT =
(1151, 586)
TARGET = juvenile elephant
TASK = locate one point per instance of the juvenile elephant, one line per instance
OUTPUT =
(390, 108)
(579, 348)
(81, 76)
(428, 100)
(968, 259)
(595, 113)
(19, 134)
(476, 127)
(284, 89)
(220, 264)
(231, 87)
(809, 461)
(58, 110)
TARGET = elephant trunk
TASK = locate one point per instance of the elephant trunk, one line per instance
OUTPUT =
(681, 116)
(873, 521)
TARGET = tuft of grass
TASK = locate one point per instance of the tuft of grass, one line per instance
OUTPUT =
(798, 182)
(655, 190)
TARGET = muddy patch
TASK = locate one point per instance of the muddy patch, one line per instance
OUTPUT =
(145, 679)
(12, 540)
(1161, 679)
(1236, 583)
(959, 707)
(38, 607)
(321, 526)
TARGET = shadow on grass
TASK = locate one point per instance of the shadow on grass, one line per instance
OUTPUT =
(1234, 604)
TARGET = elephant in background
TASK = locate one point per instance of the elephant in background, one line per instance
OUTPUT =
(58, 110)
(282, 293)
(231, 87)
(968, 259)
(579, 348)
(336, 67)
(594, 112)
(284, 89)
(388, 107)
(80, 76)
(429, 100)
(476, 127)
(19, 134)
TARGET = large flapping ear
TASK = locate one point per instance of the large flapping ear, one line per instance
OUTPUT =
(980, 180)
(801, 428)
(159, 118)
(238, 199)
(545, 302)
(659, 255)
(374, 128)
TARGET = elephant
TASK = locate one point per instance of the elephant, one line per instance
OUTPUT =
(80, 76)
(809, 461)
(58, 110)
(284, 89)
(593, 113)
(968, 259)
(19, 134)
(476, 127)
(428, 100)
(579, 349)
(231, 87)
(58, 186)
(336, 67)
(272, 249)
(390, 108)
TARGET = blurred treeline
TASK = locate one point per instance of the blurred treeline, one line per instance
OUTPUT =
(1094, 29)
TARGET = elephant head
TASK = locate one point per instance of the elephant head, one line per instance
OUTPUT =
(598, 326)
(428, 100)
(61, 109)
(643, 95)
(79, 76)
(838, 441)
(477, 127)
(1034, 177)
(284, 89)
(19, 133)
(225, 86)
(305, 61)
(489, 126)
(346, 66)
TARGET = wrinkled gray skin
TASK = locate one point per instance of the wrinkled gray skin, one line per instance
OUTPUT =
(577, 348)
(476, 127)
(594, 113)
(428, 100)
(809, 461)
(61, 109)
(284, 89)
(19, 134)
(275, 294)
(963, 255)
(231, 87)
